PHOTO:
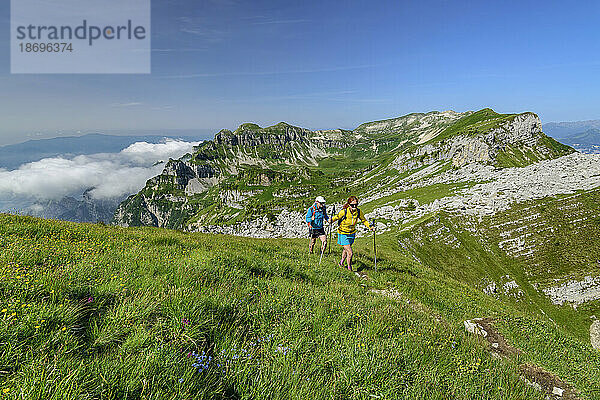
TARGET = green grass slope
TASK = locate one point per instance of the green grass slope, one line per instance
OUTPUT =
(90, 311)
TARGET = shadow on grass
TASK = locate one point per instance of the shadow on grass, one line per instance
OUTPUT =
(398, 270)
(91, 306)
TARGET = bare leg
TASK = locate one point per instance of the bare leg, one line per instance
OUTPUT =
(348, 250)
(343, 256)
(323, 243)
(311, 245)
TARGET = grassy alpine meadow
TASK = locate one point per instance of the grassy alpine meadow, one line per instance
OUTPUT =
(99, 312)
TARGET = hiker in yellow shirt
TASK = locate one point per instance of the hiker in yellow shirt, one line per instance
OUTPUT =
(348, 217)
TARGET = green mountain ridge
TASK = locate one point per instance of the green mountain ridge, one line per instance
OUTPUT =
(257, 172)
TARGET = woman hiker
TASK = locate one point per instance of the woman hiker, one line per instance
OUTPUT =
(315, 215)
(348, 217)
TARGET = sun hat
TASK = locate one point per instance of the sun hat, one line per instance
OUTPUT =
(320, 199)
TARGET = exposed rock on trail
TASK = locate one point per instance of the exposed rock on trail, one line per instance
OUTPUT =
(535, 376)
(498, 344)
(472, 326)
(550, 384)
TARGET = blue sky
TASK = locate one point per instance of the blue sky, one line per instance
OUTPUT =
(323, 64)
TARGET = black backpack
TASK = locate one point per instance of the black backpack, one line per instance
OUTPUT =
(339, 221)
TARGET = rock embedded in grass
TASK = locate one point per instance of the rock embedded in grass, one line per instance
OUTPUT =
(595, 334)
(557, 391)
(473, 327)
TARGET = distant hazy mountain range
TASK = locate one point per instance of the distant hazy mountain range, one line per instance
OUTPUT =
(86, 209)
(560, 130)
(12, 156)
(581, 135)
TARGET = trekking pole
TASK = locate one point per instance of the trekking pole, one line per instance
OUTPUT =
(374, 246)
(329, 242)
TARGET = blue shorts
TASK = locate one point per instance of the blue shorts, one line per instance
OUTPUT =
(344, 239)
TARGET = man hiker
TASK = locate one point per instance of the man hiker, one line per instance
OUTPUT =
(315, 215)
(348, 217)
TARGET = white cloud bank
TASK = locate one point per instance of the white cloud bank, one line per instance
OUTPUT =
(110, 174)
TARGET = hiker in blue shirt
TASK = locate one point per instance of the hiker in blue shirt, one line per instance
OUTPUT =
(315, 215)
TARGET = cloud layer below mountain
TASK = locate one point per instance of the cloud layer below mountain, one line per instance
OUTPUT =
(110, 174)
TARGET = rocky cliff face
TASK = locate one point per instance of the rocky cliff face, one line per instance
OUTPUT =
(250, 135)
(522, 132)
(161, 210)
(279, 136)
(191, 178)
(524, 129)
(422, 126)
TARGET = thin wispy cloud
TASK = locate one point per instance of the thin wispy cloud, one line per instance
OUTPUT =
(182, 50)
(347, 96)
(163, 108)
(172, 50)
(591, 63)
(224, 3)
(131, 104)
(309, 95)
(358, 100)
(281, 21)
(200, 28)
(192, 31)
(264, 73)
(207, 35)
